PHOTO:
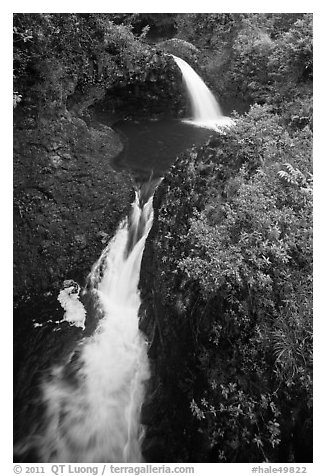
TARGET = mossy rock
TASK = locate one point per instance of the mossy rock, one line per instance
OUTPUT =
(181, 48)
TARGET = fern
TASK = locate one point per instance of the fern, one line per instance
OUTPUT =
(294, 176)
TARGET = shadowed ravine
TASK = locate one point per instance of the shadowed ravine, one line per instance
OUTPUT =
(93, 401)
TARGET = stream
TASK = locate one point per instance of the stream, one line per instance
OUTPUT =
(93, 397)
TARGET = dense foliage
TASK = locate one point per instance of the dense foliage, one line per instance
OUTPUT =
(73, 60)
(233, 249)
(265, 58)
(228, 269)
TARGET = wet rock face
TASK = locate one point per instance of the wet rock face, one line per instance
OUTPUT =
(65, 190)
(65, 195)
(160, 94)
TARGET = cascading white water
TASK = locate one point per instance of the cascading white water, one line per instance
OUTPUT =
(205, 109)
(93, 402)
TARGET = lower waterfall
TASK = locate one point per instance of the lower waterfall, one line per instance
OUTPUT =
(93, 402)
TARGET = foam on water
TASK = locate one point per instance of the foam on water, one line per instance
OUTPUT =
(75, 312)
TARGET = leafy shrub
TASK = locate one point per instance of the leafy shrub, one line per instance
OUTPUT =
(57, 56)
(234, 259)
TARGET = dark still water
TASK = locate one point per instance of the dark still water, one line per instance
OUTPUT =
(152, 146)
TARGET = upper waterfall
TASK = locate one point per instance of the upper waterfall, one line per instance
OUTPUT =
(205, 109)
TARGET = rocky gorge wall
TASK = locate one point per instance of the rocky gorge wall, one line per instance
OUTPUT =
(67, 201)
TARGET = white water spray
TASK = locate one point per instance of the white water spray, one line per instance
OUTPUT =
(93, 402)
(205, 109)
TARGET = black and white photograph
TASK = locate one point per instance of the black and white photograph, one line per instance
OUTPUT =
(162, 240)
